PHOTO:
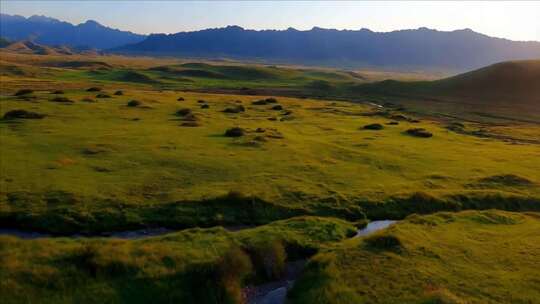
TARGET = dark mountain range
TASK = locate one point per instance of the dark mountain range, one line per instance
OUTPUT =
(50, 31)
(421, 48)
(459, 50)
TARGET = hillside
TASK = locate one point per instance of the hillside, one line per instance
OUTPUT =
(457, 50)
(50, 31)
(506, 90)
(28, 47)
(514, 82)
(445, 258)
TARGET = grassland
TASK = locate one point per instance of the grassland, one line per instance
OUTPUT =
(192, 266)
(150, 148)
(467, 257)
(95, 164)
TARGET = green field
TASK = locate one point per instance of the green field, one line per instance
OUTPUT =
(310, 159)
(102, 165)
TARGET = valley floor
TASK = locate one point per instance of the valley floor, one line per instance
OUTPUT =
(104, 149)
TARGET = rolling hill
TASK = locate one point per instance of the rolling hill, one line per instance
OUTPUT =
(405, 49)
(50, 31)
(28, 47)
(510, 89)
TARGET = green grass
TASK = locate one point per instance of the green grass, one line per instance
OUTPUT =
(95, 166)
(192, 266)
(98, 165)
(467, 257)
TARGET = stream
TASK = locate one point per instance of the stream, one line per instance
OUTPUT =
(275, 292)
(126, 235)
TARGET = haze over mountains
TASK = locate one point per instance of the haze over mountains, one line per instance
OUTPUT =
(50, 31)
(461, 49)
(419, 48)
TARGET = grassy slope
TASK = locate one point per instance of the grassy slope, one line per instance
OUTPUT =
(468, 257)
(506, 90)
(183, 267)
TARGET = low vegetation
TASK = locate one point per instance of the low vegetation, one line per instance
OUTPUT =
(466, 257)
(192, 266)
(160, 169)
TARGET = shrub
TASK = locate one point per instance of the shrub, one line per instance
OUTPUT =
(235, 263)
(263, 102)
(277, 107)
(398, 117)
(201, 101)
(506, 180)
(119, 93)
(62, 99)
(93, 89)
(419, 132)
(205, 106)
(22, 114)
(180, 99)
(134, 103)
(190, 117)
(374, 126)
(183, 112)
(26, 97)
(103, 96)
(270, 258)
(58, 92)
(236, 109)
(22, 92)
(234, 132)
(392, 123)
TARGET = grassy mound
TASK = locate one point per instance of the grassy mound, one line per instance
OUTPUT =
(468, 257)
(506, 180)
(133, 76)
(192, 266)
(22, 114)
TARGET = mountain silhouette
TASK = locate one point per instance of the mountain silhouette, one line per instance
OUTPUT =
(423, 47)
(50, 31)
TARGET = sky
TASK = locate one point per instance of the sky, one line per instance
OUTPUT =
(512, 20)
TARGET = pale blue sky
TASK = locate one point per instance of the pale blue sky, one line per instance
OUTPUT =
(512, 20)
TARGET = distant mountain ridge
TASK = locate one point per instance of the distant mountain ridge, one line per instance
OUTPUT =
(460, 49)
(421, 48)
(50, 31)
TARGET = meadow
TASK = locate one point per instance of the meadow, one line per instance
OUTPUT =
(97, 144)
(466, 257)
